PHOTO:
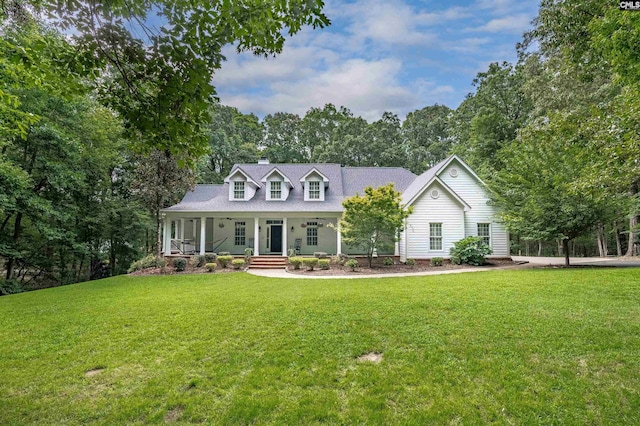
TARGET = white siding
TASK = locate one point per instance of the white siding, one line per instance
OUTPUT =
(444, 209)
(473, 192)
(327, 236)
(284, 187)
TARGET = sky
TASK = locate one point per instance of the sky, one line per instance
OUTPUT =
(379, 55)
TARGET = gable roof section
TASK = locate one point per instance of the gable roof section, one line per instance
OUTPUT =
(312, 171)
(275, 170)
(422, 182)
(443, 165)
(242, 172)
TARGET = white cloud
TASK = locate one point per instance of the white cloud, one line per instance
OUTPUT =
(368, 88)
(513, 24)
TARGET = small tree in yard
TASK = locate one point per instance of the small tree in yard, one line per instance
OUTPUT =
(374, 220)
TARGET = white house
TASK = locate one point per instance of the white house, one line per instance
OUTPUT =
(272, 208)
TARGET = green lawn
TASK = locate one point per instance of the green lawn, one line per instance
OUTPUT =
(506, 347)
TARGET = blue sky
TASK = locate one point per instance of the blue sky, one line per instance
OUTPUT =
(393, 55)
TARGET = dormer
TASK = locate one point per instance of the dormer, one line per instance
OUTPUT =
(315, 185)
(277, 185)
(241, 186)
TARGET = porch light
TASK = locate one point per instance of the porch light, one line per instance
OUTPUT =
(292, 228)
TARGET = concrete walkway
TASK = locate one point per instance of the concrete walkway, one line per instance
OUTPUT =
(620, 262)
(282, 273)
(522, 262)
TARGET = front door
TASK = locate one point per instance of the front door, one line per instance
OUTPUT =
(276, 238)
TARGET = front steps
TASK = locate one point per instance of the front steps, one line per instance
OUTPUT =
(268, 262)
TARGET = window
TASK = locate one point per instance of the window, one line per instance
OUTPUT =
(238, 190)
(312, 233)
(314, 190)
(484, 232)
(435, 236)
(240, 233)
(276, 190)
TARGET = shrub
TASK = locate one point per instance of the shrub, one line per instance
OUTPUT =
(147, 262)
(310, 262)
(179, 264)
(248, 252)
(437, 261)
(320, 254)
(295, 261)
(210, 257)
(198, 261)
(410, 262)
(387, 261)
(323, 264)
(224, 253)
(10, 287)
(225, 260)
(470, 250)
(211, 267)
(292, 252)
(238, 263)
(352, 264)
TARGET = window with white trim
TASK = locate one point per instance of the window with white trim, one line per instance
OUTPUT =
(312, 233)
(484, 232)
(240, 235)
(238, 190)
(435, 236)
(314, 190)
(276, 190)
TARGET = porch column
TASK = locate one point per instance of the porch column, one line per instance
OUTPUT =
(338, 237)
(396, 250)
(181, 228)
(285, 246)
(203, 233)
(167, 235)
(256, 236)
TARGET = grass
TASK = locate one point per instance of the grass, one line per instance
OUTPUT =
(506, 347)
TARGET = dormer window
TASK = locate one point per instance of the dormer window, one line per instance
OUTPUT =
(315, 185)
(238, 190)
(276, 190)
(314, 190)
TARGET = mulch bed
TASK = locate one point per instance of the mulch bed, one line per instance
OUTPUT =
(392, 269)
(169, 270)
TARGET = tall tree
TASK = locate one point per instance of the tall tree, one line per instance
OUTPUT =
(428, 137)
(283, 139)
(233, 138)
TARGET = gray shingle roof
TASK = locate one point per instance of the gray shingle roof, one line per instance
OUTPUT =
(343, 182)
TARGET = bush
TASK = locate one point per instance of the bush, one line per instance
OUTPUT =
(147, 262)
(295, 262)
(211, 267)
(248, 252)
(238, 263)
(224, 253)
(225, 260)
(179, 264)
(10, 287)
(310, 262)
(410, 262)
(470, 250)
(292, 252)
(352, 264)
(437, 261)
(198, 261)
(387, 261)
(320, 254)
(323, 264)
(210, 257)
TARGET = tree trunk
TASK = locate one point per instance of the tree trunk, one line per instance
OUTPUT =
(618, 242)
(539, 248)
(11, 263)
(565, 249)
(633, 221)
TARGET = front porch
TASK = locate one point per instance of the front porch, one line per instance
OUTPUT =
(185, 234)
